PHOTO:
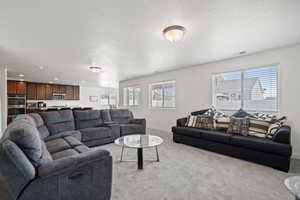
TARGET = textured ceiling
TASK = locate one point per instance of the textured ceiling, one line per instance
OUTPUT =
(125, 37)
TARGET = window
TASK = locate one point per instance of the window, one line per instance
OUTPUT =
(252, 90)
(109, 97)
(131, 96)
(162, 95)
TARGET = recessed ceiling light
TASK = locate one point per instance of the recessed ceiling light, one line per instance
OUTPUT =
(95, 68)
(21, 75)
(41, 67)
(55, 78)
(174, 33)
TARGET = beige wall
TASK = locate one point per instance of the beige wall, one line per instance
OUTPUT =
(193, 86)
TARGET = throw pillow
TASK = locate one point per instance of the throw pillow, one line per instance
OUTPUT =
(211, 111)
(222, 123)
(266, 117)
(258, 127)
(191, 121)
(275, 126)
(205, 122)
(239, 126)
(241, 114)
(199, 112)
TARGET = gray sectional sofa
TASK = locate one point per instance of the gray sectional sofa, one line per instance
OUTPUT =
(48, 156)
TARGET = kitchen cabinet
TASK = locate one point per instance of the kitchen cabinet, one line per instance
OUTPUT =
(69, 92)
(49, 92)
(76, 92)
(21, 87)
(11, 87)
(40, 92)
(16, 87)
(62, 89)
(56, 89)
(31, 91)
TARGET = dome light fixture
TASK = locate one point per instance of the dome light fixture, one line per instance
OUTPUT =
(95, 68)
(174, 33)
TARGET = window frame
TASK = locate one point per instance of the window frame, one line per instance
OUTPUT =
(109, 93)
(161, 83)
(125, 102)
(242, 70)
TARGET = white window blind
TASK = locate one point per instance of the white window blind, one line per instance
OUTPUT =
(162, 95)
(252, 90)
(131, 96)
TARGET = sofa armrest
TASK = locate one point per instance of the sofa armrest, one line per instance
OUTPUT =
(70, 164)
(138, 121)
(181, 122)
(107, 123)
(283, 135)
(115, 130)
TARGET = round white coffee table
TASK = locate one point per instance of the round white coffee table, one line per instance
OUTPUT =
(139, 142)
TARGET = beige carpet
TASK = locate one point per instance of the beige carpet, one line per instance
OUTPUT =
(188, 173)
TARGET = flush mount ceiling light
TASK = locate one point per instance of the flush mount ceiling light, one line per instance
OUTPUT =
(174, 33)
(95, 68)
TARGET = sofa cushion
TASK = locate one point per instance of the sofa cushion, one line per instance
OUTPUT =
(131, 128)
(40, 125)
(27, 138)
(192, 132)
(73, 142)
(217, 136)
(75, 134)
(57, 145)
(64, 153)
(59, 121)
(121, 116)
(95, 133)
(87, 118)
(82, 148)
(261, 144)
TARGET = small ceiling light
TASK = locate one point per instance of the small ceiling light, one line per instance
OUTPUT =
(21, 75)
(55, 78)
(41, 67)
(95, 68)
(174, 33)
(50, 82)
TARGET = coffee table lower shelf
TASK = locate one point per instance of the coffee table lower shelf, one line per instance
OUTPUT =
(140, 160)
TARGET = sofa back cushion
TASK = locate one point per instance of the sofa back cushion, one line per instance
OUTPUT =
(121, 116)
(59, 121)
(27, 138)
(40, 125)
(87, 118)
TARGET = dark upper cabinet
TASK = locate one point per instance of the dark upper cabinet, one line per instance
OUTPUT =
(62, 89)
(11, 87)
(16, 87)
(21, 87)
(40, 91)
(49, 92)
(56, 89)
(76, 92)
(69, 92)
(31, 91)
